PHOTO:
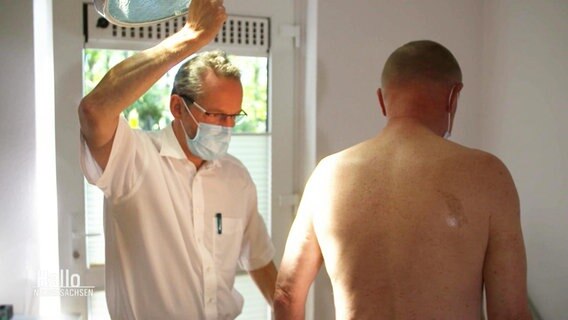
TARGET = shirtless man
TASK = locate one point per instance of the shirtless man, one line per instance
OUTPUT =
(410, 225)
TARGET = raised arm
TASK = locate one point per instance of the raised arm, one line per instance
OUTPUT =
(301, 262)
(99, 111)
(505, 267)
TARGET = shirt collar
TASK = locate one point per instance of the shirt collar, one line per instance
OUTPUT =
(170, 148)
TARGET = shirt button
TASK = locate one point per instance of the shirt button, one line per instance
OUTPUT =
(211, 300)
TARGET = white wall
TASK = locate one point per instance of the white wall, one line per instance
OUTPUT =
(353, 41)
(524, 122)
(18, 244)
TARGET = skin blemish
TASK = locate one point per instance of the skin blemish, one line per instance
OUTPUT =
(456, 217)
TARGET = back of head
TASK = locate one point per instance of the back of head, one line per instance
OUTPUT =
(189, 78)
(421, 62)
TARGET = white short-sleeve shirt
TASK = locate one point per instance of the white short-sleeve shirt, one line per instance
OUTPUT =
(174, 235)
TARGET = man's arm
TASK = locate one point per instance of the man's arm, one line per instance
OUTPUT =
(300, 264)
(265, 279)
(505, 269)
(99, 111)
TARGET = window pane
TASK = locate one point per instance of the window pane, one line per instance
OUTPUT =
(254, 77)
(151, 110)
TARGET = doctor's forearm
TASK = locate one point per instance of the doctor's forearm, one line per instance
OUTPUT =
(265, 279)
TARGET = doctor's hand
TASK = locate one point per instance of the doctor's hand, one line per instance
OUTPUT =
(205, 18)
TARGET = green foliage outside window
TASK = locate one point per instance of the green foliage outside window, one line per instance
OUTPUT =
(254, 78)
(151, 111)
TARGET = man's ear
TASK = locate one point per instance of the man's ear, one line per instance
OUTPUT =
(381, 101)
(454, 97)
(175, 106)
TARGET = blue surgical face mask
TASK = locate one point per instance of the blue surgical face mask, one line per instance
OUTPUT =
(210, 141)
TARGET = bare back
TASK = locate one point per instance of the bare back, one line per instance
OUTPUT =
(403, 225)
(410, 225)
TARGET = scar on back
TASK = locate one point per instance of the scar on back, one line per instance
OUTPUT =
(456, 217)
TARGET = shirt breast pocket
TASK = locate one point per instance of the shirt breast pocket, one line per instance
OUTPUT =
(228, 235)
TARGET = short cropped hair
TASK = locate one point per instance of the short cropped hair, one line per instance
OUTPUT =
(189, 78)
(423, 60)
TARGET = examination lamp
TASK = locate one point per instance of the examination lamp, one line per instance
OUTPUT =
(136, 13)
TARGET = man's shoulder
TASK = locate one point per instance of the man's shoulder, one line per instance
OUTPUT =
(332, 163)
(232, 165)
(482, 159)
(145, 136)
(484, 170)
(156, 140)
(232, 162)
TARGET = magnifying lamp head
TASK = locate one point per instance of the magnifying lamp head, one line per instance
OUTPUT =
(136, 13)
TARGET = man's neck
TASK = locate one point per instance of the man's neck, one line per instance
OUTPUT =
(409, 124)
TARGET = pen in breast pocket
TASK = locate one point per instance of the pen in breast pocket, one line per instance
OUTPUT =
(219, 218)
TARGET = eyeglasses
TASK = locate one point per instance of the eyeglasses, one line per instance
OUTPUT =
(216, 116)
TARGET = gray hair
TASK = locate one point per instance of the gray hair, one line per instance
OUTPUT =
(189, 78)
